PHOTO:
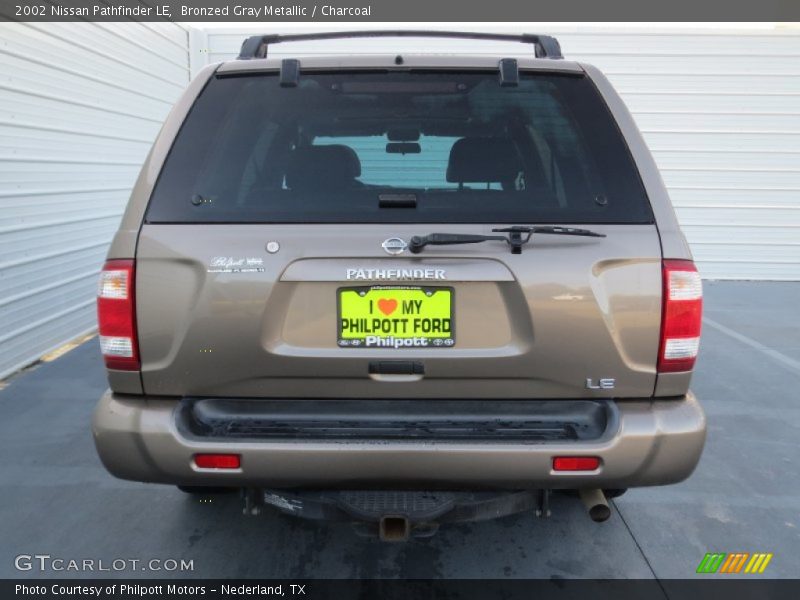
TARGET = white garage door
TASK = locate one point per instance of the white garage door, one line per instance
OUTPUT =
(720, 110)
(80, 105)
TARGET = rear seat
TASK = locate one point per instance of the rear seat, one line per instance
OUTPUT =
(333, 167)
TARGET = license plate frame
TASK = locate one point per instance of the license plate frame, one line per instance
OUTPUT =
(435, 340)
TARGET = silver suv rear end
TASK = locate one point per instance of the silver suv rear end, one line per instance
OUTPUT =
(424, 273)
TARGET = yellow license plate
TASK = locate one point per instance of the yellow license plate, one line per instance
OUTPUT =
(396, 317)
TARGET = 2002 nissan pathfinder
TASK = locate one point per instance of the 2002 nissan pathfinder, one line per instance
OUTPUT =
(401, 291)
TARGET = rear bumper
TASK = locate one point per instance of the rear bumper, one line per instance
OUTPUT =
(640, 443)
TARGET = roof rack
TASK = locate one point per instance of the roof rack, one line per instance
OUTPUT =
(544, 46)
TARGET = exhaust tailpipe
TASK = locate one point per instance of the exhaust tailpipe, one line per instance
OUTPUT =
(595, 502)
(394, 528)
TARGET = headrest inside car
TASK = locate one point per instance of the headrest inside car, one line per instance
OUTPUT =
(332, 166)
(483, 160)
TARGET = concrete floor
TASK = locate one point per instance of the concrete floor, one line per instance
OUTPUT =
(744, 496)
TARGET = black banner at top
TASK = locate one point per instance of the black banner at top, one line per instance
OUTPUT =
(446, 11)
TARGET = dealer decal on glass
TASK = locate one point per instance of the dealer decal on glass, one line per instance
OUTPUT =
(396, 317)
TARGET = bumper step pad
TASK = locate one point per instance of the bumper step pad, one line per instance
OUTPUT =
(497, 420)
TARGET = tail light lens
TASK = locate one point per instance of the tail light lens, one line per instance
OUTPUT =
(681, 317)
(116, 316)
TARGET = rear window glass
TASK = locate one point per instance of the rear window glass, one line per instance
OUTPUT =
(411, 147)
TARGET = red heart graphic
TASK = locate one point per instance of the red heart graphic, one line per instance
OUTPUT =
(387, 307)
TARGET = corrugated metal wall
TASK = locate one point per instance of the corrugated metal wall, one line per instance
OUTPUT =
(719, 108)
(80, 105)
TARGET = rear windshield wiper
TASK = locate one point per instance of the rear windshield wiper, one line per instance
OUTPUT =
(517, 237)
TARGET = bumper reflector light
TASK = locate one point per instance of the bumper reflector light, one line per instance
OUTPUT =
(217, 461)
(576, 463)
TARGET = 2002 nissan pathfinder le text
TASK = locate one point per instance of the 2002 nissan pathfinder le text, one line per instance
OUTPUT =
(401, 291)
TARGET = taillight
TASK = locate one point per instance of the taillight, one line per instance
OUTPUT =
(681, 316)
(116, 315)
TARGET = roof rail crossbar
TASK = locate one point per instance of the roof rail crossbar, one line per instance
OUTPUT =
(544, 46)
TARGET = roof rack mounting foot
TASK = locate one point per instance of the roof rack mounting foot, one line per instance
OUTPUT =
(290, 72)
(509, 72)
